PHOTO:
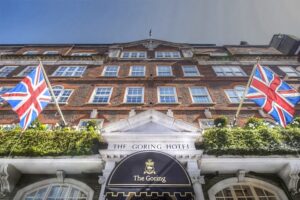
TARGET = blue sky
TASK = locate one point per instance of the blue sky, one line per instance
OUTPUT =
(109, 21)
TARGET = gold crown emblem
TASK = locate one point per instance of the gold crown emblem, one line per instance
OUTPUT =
(149, 167)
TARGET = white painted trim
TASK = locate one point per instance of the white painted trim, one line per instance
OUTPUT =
(59, 96)
(105, 67)
(126, 93)
(48, 182)
(8, 66)
(94, 91)
(164, 56)
(280, 195)
(130, 70)
(149, 116)
(195, 66)
(77, 66)
(21, 73)
(36, 52)
(132, 58)
(207, 92)
(47, 53)
(229, 66)
(158, 95)
(171, 70)
(49, 165)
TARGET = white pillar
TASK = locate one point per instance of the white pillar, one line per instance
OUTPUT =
(197, 180)
(109, 166)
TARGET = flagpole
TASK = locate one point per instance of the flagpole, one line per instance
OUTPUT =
(52, 93)
(244, 93)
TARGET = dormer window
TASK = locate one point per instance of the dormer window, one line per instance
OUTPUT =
(31, 53)
(167, 54)
(133, 54)
(83, 54)
(50, 53)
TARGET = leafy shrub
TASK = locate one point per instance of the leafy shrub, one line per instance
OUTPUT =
(48, 143)
(254, 122)
(245, 141)
(221, 121)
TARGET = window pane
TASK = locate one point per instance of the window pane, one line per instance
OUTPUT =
(69, 71)
(137, 71)
(190, 71)
(167, 95)
(134, 95)
(164, 70)
(102, 95)
(5, 71)
(27, 70)
(111, 71)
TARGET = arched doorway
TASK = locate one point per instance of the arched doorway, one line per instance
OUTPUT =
(149, 175)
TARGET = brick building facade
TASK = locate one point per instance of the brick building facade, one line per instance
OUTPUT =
(147, 87)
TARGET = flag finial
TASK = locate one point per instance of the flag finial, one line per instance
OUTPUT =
(150, 33)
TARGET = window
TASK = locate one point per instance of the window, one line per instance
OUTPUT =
(167, 95)
(133, 54)
(111, 71)
(200, 95)
(27, 71)
(291, 72)
(164, 71)
(83, 54)
(137, 71)
(31, 53)
(237, 192)
(62, 95)
(84, 122)
(228, 71)
(51, 53)
(206, 123)
(101, 95)
(134, 95)
(190, 71)
(4, 90)
(6, 70)
(248, 189)
(69, 71)
(235, 95)
(167, 54)
(52, 189)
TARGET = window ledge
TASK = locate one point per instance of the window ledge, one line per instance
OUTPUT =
(125, 103)
(205, 103)
(177, 103)
(91, 103)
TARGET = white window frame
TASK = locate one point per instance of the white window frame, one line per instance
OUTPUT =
(99, 123)
(126, 94)
(51, 53)
(73, 75)
(207, 94)
(195, 67)
(291, 68)
(1, 88)
(216, 67)
(252, 182)
(105, 68)
(83, 53)
(94, 93)
(5, 67)
(131, 70)
(203, 123)
(175, 94)
(21, 194)
(60, 94)
(131, 52)
(165, 53)
(170, 67)
(234, 89)
(31, 52)
(21, 74)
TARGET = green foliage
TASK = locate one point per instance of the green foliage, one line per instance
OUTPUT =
(58, 142)
(295, 123)
(254, 122)
(91, 125)
(250, 141)
(221, 121)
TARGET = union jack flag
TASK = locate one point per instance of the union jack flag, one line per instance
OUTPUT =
(29, 97)
(273, 95)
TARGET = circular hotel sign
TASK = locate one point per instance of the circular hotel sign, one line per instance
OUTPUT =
(149, 169)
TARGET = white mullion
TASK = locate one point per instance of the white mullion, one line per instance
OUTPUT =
(47, 192)
(233, 193)
(254, 193)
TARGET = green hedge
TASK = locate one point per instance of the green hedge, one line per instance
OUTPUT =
(49, 143)
(245, 141)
